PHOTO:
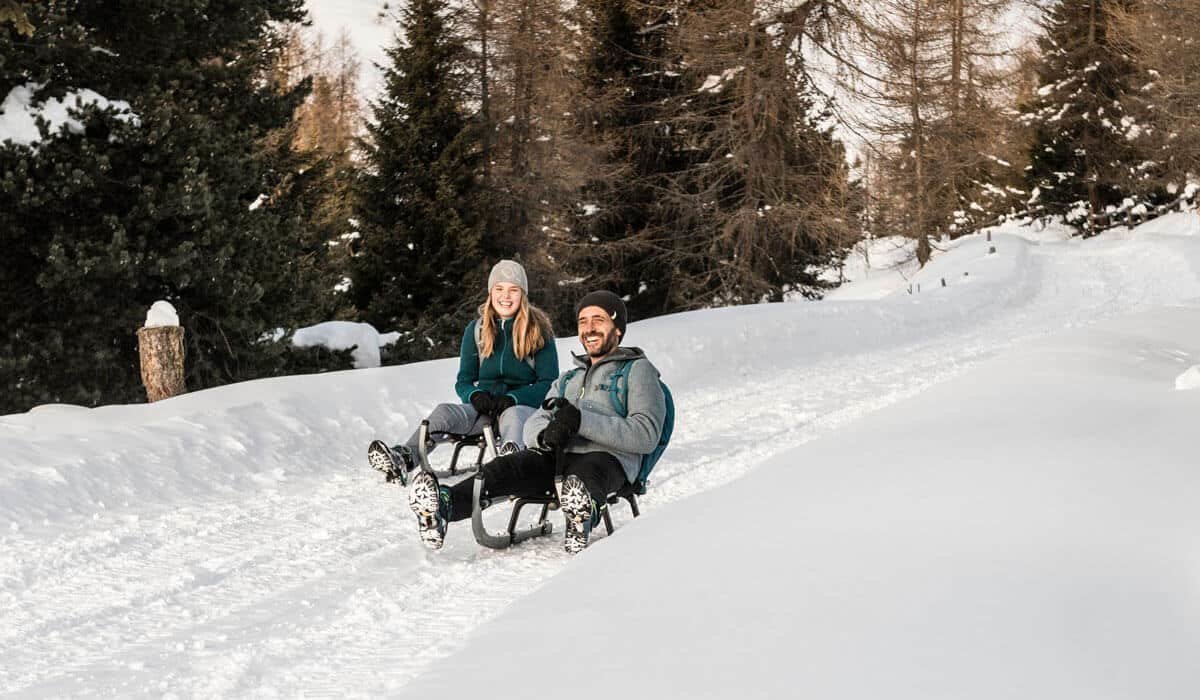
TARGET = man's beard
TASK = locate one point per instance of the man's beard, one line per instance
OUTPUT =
(608, 345)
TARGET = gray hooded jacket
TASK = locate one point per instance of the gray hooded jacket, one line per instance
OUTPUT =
(601, 429)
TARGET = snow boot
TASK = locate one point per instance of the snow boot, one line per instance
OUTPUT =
(394, 463)
(431, 504)
(581, 513)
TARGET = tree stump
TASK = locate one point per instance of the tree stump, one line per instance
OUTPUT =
(161, 351)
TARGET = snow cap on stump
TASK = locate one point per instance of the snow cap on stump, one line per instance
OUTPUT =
(161, 314)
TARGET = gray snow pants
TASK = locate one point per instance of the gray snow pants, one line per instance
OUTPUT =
(463, 419)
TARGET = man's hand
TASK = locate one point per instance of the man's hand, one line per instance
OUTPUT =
(563, 426)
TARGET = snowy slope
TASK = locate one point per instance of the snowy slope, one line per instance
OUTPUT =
(1028, 529)
(232, 541)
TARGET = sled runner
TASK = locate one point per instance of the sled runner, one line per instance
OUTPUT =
(512, 534)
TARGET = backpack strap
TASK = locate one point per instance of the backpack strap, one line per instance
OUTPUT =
(566, 379)
(618, 388)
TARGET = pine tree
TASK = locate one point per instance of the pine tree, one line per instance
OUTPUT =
(1162, 33)
(195, 200)
(423, 249)
(1087, 159)
(629, 73)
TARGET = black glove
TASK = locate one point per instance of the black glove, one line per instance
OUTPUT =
(500, 404)
(562, 427)
(483, 402)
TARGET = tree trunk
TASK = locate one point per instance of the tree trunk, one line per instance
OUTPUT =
(957, 29)
(161, 351)
(918, 135)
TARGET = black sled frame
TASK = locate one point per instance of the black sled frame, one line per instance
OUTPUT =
(542, 526)
(485, 443)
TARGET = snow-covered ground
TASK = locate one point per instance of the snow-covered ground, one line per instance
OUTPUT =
(982, 489)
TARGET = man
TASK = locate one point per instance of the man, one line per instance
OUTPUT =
(601, 451)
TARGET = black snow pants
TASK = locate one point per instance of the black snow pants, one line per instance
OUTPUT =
(530, 474)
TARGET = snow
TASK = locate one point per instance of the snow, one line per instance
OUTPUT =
(161, 313)
(1026, 547)
(716, 83)
(345, 335)
(981, 490)
(1189, 380)
(19, 113)
(877, 267)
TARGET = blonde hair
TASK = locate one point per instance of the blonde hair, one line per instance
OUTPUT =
(531, 328)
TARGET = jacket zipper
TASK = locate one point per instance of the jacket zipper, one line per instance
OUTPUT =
(503, 347)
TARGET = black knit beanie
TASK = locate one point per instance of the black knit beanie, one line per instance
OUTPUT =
(609, 302)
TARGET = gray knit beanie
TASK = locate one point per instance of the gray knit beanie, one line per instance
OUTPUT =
(511, 272)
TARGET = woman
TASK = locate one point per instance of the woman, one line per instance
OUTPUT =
(506, 364)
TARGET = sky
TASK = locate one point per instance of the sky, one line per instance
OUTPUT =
(983, 489)
(371, 28)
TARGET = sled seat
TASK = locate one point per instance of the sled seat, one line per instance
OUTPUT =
(479, 442)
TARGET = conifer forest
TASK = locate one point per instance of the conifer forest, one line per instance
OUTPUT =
(685, 154)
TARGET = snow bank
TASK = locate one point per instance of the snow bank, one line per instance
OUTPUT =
(1027, 530)
(344, 335)
(1190, 379)
(1179, 223)
(19, 113)
(875, 268)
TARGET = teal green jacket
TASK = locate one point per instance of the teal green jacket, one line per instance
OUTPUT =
(501, 373)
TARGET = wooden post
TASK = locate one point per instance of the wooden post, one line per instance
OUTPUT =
(161, 351)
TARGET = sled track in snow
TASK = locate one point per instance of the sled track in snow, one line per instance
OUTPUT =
(321, 588)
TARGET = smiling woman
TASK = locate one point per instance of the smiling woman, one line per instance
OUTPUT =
(506, 364)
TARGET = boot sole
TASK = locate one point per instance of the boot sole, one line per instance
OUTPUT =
(379, 456)
(576, 504)
(424, 502)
